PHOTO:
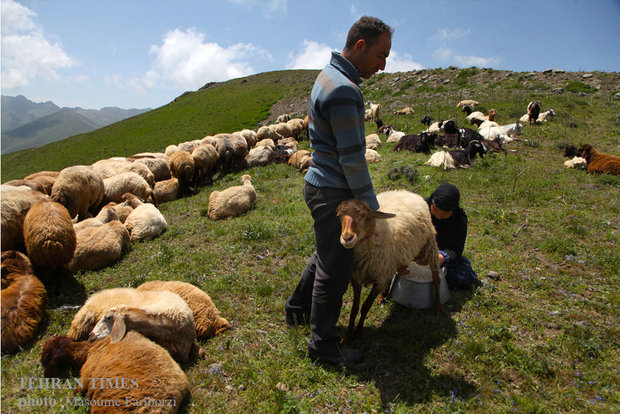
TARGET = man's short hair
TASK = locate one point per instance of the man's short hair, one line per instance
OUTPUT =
(367, 28)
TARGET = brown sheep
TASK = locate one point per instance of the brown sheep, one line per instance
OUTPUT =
(49, 235)
(208, 319)
(23, 301)
(141, 371)
(167, 190)
(182, 167)
(599, 162)
(80, 189)
(15, 206)
(99, 246)
(45, 178)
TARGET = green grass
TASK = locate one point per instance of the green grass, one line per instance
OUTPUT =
(541, 339)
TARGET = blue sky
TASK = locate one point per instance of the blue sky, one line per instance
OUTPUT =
(144, 53)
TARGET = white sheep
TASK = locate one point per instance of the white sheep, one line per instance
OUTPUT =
(232, 201)
(297, 126)
(80, 189)
(207, 317)
(283, 118)
(145, 222)
(405, 111)
(373, 141)
(99, 246)
(467, 102)
(392, 135)
(162, 316)
(505, 133)
(284, 129)
(267, 131)
(143, 376)
(373, 112)
(542, 117)
(576, 162)
(372, 155)
(105, 215)
(15, 204)
(403, 233)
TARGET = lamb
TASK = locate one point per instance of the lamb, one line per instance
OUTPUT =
(373, 141)
(207, 317)
(80, 189)
(162, 316)
(99, 246)
(373, 112)
(23, 301)
(206, 161)
(141, 371)
(145, 222)
(49, 235)
(232, 201)
(383, 241)
(405, 111)
(599, 162)
(457, 158)
(14, 206)
(166, 190)
(414, 143)
(182, 167)
(127, 182)
(372, 155)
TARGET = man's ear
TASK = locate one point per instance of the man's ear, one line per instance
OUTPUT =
(360, 45)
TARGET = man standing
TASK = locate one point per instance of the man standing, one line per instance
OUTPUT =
(339, 172)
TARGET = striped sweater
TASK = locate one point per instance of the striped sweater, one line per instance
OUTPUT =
(336, 129)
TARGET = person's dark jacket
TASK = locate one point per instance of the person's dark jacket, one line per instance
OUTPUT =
(451, 234)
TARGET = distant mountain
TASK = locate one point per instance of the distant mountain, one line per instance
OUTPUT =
(59, 125)
(21, 129)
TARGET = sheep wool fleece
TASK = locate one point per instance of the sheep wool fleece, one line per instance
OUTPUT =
(338, 172)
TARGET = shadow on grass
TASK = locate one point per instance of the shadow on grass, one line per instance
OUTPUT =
(395, 353)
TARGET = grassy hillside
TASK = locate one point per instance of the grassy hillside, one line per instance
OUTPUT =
(540, 337)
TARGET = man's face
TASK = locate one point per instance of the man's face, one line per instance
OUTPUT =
(372, 59)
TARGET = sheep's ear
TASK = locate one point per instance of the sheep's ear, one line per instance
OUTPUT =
(118, 329)
(381, 215)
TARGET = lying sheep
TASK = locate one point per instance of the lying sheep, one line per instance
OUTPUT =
(162, 316)
(405, 111)
(157, 164)
(385, 240)
(208, 319)
(127, 182)
(23, 301)
(267, 132)
(296, 158)
(14, 206)
(462, 158)
(80, 189)
(141, 370)
(599, 162)
(372, 155)
(105, 215)
(99, 246)
(31, 184)
(283, 118)
(232, 201)
(167, 190)
(49, 235)
(145, 222)
(45, 178)
(373, 141)
(249, 135)
(415, 143)
(258, 156)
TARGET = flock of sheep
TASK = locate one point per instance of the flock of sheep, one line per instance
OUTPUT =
(83, 218)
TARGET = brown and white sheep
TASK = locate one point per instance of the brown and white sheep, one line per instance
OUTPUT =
(49, 235)
(207, 317)
(80, 189)
(144, 378)
(23, 301)
(384, 241)
(599, 162)
(232, 201)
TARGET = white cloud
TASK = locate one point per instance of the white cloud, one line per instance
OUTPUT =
(444, 35)
(312, 55)
(186, 60)
(396, 63)
(447, 56)
(26, 53)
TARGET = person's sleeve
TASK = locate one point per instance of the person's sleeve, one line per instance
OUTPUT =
(346, 116)
(456, 243)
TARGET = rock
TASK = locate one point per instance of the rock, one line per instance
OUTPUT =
(493, 275)
(586, 75)
(215, 368)
(559, 70)
(282, 387)
(548, 70)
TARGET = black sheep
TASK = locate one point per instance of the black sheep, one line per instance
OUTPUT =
(533, 110)
(465, 158)
(415, 143)
(468, 135)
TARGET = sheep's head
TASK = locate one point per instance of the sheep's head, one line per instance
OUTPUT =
(357, 221)
(426, 120)
(14, 262)
(113, 323)
(61, 353)
(585, 151)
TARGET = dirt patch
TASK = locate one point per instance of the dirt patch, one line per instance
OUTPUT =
(295, 107)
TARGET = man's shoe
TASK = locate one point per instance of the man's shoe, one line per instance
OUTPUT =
(297, 318)
(344, 356)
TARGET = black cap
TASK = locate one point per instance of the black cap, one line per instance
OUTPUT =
(446, 197)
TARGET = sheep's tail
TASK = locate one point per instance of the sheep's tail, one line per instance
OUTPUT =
(20, 320)
(55, 253)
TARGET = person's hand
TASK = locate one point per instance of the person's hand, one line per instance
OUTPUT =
(402, 271)
(441, 259)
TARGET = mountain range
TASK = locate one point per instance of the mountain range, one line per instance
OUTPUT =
(27, 124)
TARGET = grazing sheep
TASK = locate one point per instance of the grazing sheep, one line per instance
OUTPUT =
(224, 148)
(80, 189)
(206, 161)
(414, 143)
(162, 316)
(463, 158)
(49, 235)
(383, 241)
(189, 146)
(599, 162)
(171, 149)
(297, 126)
(145, 378)
(45, 178)
(372, 155)
(208, 319)
(373, 141)
(249, 135)
(99, 246)
(232, 201)
(158, 166)
(166, 190)
(405, 111)
(145, 222)
(284, 129)
(182, 167)
(373, 112)
(14, 206)
(127, 182)
(23, 301)
(239, 150)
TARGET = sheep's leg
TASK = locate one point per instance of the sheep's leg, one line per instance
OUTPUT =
(437, 283)
(357, 292)
(374, 292)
